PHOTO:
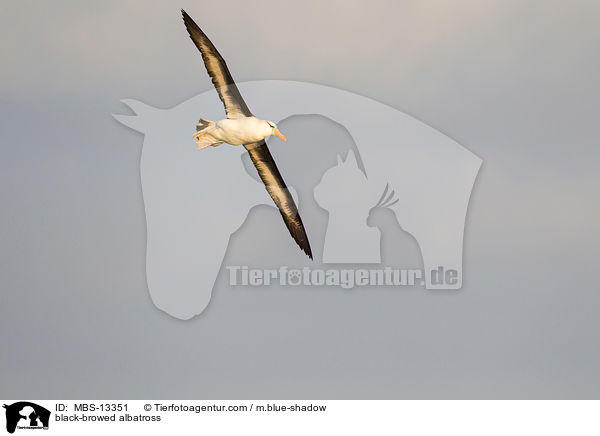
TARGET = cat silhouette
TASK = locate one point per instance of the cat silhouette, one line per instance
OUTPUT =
(345, 192)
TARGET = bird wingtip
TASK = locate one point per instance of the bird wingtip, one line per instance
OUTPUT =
(307, 250)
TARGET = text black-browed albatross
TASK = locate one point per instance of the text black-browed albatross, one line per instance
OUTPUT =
(242, 128)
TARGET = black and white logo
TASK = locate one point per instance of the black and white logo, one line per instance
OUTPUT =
(26, 415)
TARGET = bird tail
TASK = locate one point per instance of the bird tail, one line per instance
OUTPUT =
(204, 124)
(203, 134)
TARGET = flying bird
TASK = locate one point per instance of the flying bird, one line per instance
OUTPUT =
(241, 127)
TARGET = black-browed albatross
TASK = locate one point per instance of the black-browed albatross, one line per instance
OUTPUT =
(241, 127)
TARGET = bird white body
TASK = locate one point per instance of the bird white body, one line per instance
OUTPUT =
(236, 131)
(242, 130)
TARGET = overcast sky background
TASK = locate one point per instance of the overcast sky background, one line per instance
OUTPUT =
(516, 82)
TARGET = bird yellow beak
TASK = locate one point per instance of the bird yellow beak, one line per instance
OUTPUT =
(277, 133)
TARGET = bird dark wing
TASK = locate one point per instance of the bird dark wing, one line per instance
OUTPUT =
(269, 174)
(235, 106)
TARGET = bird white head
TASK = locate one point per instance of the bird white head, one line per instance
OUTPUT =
(273, 130)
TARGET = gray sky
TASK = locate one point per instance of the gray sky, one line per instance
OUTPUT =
(515, 82)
